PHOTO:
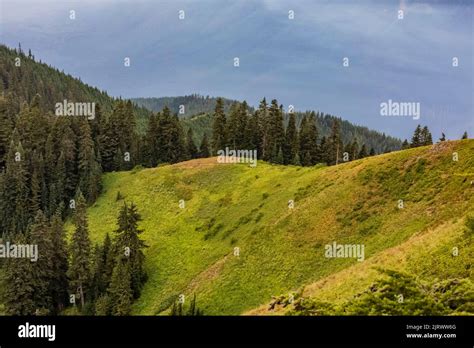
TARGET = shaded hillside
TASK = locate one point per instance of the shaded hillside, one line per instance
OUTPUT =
(192, 250)
(380, 142)
(194, 104)
(21, 83)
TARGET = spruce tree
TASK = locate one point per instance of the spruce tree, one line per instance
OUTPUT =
(109, 260)
(129, 244)
(219, 129)
(416, 139)
(234, 134)
(204, 147)
(43, 268)
(363, 151)
(324, 150)
(304, 142)
(6, 128)
(405, 145)
(191, 148)
(264, 130)
(120, 291)
(276, 134)
(59, 283)
(354, 150)
(15, 194)
(245, 141)
(291, 140)
(88, 169)
(80, 250)
(151, 150)
(312, 145)
(426, 138)
(18, 284)
(335, 143)
(464, 136)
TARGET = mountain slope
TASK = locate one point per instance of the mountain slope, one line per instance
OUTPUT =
(380, 142)
(31, 77)
(194, 104)
(191, 250)
(21, 83)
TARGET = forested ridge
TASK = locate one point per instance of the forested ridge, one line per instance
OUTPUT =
(51, 168)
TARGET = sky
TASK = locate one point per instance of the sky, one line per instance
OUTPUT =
(298, 60)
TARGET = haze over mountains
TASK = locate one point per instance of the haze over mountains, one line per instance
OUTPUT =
(56, 86)
(297, 61)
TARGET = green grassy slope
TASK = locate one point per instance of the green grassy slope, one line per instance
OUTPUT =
(281, 249)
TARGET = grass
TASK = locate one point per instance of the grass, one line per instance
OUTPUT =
(281, 249)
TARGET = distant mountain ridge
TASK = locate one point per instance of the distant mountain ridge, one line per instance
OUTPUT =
(198, 112)
(21, 85)
(194, 104)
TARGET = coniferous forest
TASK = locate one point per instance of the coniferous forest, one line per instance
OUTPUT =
(52, 169)
(192, 159)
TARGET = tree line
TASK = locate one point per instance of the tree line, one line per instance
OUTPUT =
(101, 280)
(265, 131)
(422, 137)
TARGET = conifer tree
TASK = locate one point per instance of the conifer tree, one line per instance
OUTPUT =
(280, 159)
(464, 136)
(59, 283)
(15, 193)
(88, 169)
(120, 291)
(363, 151)
(304, 151)
(291, 140)
(405, 145)
(191, 148)
(17, 288)
(152, 152)
(324, 150)
(108, 260)
(219, 129)
(443, 137)
(335, 143)
(276, 134)
(6, 128)
(243, 124)
(296, 160)
(255, 134)
(264, 129)
(129, 244)
(97, 272)
(426, 138)
(80, 251)
(354, 150)
(204, 147)
(313, 147)
(43, 268)
(234, 134)
(416, 139)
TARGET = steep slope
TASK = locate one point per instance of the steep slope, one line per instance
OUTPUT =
(22, 82)
(191, 250)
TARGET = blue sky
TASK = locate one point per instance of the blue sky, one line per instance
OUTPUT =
(297, 61)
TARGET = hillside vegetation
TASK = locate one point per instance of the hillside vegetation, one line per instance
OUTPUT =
(191, 249)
